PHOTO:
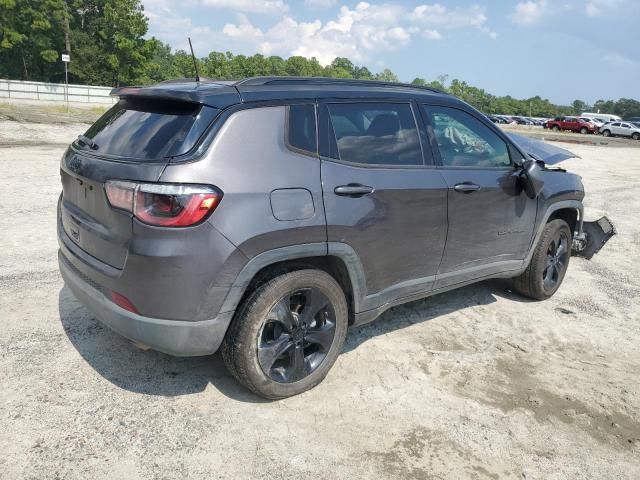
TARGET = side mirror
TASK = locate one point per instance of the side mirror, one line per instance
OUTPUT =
(532, 178)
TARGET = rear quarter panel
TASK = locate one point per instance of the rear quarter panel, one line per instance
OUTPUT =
(248, 160)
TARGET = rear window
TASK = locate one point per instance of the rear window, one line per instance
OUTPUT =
(149, 130)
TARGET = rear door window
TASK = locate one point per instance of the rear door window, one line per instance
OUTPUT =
(147, 130)
(376, 133)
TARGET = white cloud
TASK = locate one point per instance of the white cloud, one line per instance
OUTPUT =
(618, 60)
(358, 32)
(321, 3)
(431, 34)
(529, 12)
(254, 6)
(595, 7)
(243, 29)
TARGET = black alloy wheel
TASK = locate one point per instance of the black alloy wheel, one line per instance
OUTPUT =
(548, 264)
(297, 335)
(556, 264)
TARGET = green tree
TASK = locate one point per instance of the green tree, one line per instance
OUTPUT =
(387, 76)
(31, 38)
(108, 40)
(579, 107)
(362, 73)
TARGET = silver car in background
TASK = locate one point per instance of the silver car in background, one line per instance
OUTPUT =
(594, 121)
(622, 129)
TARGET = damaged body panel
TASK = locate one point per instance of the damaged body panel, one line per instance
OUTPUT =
(560, 185)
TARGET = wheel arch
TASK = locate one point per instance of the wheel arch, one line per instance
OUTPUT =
(569, 215)
(337, 259)
(565, 209)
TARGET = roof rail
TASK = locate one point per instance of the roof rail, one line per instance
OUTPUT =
(258, 81)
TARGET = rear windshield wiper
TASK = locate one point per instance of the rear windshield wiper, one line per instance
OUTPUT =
(88, 142)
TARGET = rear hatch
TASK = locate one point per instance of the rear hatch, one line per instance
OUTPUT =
(134, 140)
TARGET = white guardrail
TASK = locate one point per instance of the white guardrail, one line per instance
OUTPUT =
(55, 92)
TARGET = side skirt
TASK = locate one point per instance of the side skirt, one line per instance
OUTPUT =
(370, 315)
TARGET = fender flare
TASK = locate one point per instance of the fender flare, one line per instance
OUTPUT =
(294, 252)
(554, 207)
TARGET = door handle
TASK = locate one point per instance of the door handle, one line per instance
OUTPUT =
(353, 190)
(466, 187)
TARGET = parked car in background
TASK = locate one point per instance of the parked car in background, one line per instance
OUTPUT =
(595, 121)
(497, 119)
(622, 129)
(573, 124)
(522, 121)
(603, 117)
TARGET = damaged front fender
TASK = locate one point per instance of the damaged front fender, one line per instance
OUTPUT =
(593, 237)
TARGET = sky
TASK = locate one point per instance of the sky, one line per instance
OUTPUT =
(559, 49)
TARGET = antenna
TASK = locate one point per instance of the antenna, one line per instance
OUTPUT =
(195, 63)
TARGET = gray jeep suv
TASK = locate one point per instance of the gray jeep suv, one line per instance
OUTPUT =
(264, 217)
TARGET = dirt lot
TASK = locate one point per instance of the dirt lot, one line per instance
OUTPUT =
(476, 383)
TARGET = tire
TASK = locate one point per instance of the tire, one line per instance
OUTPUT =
(555, 128)
(583, 131)
(606, 133)
(276, 350)
(543, 276)
(636, 136)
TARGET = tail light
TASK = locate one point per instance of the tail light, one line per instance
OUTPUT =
(164, 204)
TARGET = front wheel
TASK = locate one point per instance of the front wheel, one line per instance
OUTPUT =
(288, 334)
(583, 131)
(606, 133)
(556, 128)
(636, 136)
(549, 262)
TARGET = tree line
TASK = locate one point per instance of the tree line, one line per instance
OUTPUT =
(106, 40)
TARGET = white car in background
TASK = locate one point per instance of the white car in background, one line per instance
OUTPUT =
(603, 117)
(594, 121)
(622, 129)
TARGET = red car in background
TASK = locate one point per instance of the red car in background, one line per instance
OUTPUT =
(573, 124)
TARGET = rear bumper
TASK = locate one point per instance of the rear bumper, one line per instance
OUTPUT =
(174, 337)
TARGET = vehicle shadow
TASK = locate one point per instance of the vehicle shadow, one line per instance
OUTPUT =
(153, 373)
(142, 371)
(419, 311)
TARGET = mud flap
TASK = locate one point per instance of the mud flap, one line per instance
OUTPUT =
(594, 236)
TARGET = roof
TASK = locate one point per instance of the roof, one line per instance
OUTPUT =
(221, 94)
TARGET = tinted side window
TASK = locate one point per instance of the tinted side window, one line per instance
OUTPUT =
(376, 133)
(301, 127)
(464, 141)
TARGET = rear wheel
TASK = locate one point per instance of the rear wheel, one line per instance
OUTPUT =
(288, 334)
(583, 130)
(636, 136)
(549, 262)
(606, 133)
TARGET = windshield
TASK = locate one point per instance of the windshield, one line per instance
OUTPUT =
(147, 130)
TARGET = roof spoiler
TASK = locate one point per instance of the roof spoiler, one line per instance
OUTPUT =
(206, 92)
(156, 94)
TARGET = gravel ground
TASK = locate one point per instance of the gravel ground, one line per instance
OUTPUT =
(477, 383)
